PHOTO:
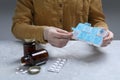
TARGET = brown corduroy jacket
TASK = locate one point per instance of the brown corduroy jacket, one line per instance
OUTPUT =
(32, 16)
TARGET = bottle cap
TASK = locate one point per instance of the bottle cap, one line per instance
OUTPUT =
(34, 69)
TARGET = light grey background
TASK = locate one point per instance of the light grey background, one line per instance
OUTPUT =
(110, 7)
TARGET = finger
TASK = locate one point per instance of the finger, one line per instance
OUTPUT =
(63, 35)
(62, 43)
(109, 36)
(105, 43)
(62, 31)
(59, 42)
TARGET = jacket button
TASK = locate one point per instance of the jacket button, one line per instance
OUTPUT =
(61, 20)
(60, 5)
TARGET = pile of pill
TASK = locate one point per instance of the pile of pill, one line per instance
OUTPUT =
(21, 69)
(57, 65)
(92, 35)
(28, 69)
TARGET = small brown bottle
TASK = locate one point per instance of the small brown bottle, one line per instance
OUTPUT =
(37, 57)
(29, 46)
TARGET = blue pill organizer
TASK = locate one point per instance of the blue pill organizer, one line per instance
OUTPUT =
(92, 35)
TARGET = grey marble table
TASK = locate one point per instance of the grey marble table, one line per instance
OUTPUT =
(84, 62)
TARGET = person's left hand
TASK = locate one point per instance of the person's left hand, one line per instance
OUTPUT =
(108, 38)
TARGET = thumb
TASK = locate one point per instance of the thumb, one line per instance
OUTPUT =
(63, 34)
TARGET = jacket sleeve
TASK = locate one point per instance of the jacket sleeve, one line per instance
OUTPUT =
(96, 15)
(22, 26)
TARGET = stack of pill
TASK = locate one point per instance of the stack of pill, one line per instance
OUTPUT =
(92, 35)
(58, 65)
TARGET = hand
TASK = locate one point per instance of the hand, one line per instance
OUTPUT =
(108, 38)
(57, 37)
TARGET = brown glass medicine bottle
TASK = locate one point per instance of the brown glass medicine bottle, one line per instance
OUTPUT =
(29, 46)
(37, 57)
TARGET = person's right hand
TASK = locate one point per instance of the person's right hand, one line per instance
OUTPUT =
(57, 37)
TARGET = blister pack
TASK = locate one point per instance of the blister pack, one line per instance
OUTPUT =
(57, 65)
(92, 35)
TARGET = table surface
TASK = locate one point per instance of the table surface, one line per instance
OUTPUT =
(84, 62)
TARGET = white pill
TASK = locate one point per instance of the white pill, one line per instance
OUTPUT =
(17, 72)
(17, 68)
(25, 71)
(59, 67)
(55, 64)
(57, 70)
(62, 62)
(51, 69)
(21, 70)
(57, 61)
